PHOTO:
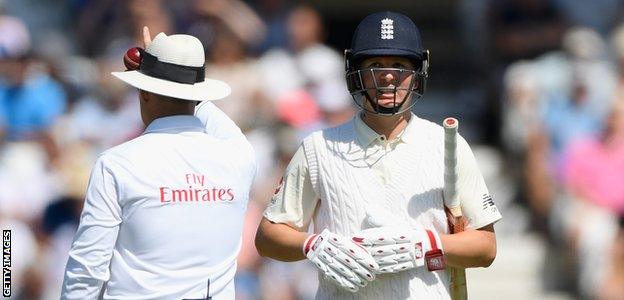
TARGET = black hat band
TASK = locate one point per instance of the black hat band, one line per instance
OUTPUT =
(151, 66)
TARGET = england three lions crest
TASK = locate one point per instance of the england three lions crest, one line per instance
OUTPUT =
(387, 29)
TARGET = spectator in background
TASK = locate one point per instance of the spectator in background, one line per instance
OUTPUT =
(208, 18)
(520, 116)
(572, 108)
(59, 222)
(284, 85)
(613, 285)
(587, 54)
(594, 168)
(236, 16)
(593, 174)
(314, 94)
(549, 103)
(322, 67)
(120, 20)
(228, 61)
(108, 104)
(30, 101)
(569, 115)
(274, 13)
(520, 106)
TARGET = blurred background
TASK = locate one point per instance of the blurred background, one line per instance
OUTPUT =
(538, 86)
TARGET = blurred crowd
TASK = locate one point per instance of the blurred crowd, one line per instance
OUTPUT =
(563, 133)
(552, 72)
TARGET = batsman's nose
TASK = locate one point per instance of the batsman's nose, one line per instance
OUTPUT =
(387, 77)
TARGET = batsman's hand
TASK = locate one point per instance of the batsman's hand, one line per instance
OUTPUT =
(340, 260)
(397, 249)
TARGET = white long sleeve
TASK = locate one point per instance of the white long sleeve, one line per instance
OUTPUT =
(216, 122)
(89, 259)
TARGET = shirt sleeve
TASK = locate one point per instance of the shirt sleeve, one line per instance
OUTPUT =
(216, 122)
(89, 258)
(477, 204)
(294, 201)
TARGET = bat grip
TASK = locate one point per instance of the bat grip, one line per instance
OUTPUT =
(451, 201)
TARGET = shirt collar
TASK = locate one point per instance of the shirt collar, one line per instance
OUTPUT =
(175, 123)
(367, 135)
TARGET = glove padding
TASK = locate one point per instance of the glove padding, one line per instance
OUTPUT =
(341, 260)
(396, 249)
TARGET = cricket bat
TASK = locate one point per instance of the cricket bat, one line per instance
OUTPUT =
(453, 203)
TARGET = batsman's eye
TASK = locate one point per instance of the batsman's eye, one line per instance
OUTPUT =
(374, 65)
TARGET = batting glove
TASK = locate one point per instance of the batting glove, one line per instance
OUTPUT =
(396, 249)
(344, 262)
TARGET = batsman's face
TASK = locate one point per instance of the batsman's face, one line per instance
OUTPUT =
(388, 79)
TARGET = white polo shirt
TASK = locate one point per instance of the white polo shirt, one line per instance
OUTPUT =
(163, 214)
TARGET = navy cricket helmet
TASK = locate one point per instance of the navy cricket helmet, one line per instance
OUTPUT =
(386, 34)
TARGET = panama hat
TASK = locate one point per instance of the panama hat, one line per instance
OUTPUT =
(173, 66)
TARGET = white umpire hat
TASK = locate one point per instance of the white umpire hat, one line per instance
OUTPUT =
(173, 66)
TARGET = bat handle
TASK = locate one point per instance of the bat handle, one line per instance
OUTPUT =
(456, 211)
(451, 200)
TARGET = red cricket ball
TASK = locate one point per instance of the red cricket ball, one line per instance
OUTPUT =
(132, 58)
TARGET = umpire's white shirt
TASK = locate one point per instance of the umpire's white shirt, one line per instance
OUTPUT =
(163, 214)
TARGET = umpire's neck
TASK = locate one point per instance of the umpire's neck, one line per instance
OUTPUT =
(154, 106)
(389, 126)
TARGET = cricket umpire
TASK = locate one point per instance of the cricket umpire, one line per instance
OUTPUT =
(373, 187)
(163, 213)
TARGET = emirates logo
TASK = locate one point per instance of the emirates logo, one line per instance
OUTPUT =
(387, 29)
(197, 190)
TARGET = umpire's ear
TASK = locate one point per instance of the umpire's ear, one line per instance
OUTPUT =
(144, 96)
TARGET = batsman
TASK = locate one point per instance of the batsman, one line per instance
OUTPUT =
(374, 187)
